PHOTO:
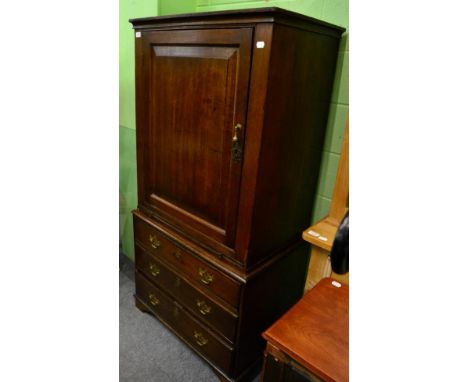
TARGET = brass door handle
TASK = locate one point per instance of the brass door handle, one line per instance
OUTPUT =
(153, 299)
(205, 277)
(237, 128)
(236, 151)
(203, 307)
(154, 269)
(202, 341)
(155, 243)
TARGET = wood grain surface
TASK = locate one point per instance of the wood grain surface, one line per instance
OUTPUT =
(315, 331)
(231, 110)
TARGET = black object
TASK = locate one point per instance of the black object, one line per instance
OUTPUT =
(340, 250)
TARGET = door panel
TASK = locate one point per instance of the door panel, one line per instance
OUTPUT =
(196, 82)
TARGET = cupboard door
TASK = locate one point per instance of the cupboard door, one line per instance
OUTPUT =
(192, 88)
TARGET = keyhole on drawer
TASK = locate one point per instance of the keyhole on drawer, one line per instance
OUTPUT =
(177, 254)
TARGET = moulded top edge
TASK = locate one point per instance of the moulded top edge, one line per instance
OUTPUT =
(269, 14)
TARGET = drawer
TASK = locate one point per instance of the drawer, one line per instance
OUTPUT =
(182, 323)
(199, 271)
(198, 303)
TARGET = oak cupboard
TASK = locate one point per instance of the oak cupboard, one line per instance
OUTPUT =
(231, 111)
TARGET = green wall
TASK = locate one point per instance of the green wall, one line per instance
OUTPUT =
(334, 11)
(127, 158)
(172, 7)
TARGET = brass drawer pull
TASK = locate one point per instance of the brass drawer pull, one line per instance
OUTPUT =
(154, 269)
(177, 254)
(205, 277)
(155, 243)
(203, 307)
(153, 299)
(202, 341)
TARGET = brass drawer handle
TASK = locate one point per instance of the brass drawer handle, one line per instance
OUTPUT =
(203, 307)
(205, 277)
(155, 243)
(153, 299)
(154, 269)
(177, 254)
(202, 341)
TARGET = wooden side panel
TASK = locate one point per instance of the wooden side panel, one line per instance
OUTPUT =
(266, 297)
(301, 72)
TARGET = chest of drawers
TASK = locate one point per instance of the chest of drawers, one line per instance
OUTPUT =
(231, 111)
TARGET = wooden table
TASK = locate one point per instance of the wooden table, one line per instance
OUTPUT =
(310, 342)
